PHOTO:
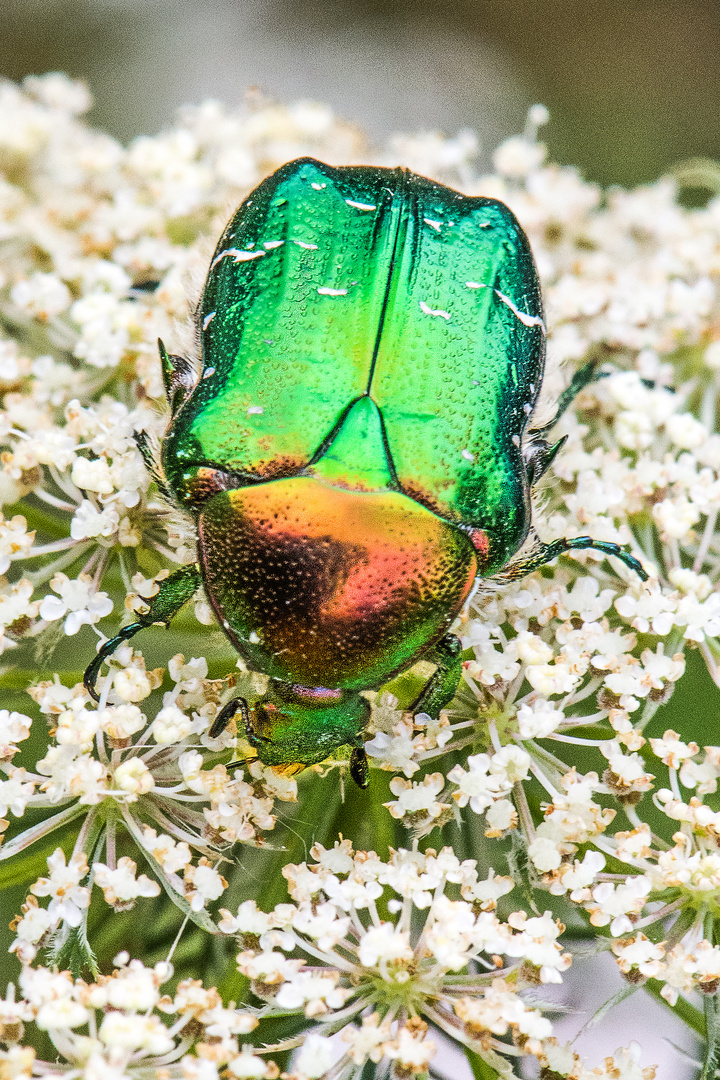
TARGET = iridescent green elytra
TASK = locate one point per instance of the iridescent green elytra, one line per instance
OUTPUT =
(356, 449)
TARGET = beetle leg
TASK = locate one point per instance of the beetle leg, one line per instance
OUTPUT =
(583, 377)
(174, 592)
(544, 553)
(178, 376)
(359, 766)
(226, 714)
(151, 460)
(442, 684)
(539, 456)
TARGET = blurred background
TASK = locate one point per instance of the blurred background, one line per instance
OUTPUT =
(633, 86)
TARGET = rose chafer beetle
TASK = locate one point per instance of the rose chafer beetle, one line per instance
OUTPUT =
(357, 449)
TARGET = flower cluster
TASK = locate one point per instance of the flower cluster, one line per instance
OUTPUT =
(387, 947)
(102, 250)
(123, 1025)
(128, 777)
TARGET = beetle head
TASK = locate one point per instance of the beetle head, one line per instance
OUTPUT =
(298, 724)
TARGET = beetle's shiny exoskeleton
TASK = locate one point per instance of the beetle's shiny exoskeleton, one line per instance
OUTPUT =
(357, 448)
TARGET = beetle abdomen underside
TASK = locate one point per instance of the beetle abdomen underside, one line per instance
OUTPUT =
(333, 284)
(327, 587)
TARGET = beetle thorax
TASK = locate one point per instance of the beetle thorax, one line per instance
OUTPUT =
(322, 586)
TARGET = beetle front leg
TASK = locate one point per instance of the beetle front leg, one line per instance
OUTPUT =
(227, 713)
(174, 592)
(441, 687)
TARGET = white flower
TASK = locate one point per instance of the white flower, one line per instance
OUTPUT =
(92, 475)
(538, 718)
(384, 944)
(518, 156)
(14, 728)
(413, 798)
(121, 886)
(78, 603)
(42, 295)
(69, 898)
(639, 954)
(202, 884)
(89, 522)
(128, 1033)
(134, 777)
(15, 540)
(171, 725)
(16, 792)
(315, 1058)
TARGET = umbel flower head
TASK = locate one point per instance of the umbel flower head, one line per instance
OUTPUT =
(123, 1026)
(102, 250)
(382, 978)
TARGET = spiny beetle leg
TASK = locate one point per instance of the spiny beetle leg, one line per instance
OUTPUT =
(539, 456)
(583, 377)
(228, 712)
(359, 766)
(178, 377)
(150, 461)
(546, 552)
(442, 684)
(174, 592)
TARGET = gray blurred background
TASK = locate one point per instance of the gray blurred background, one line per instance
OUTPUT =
(633, 86)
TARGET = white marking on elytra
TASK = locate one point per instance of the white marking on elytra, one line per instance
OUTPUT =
(210, 371)
(253, 637)
(427, 310)
(468, 455)
(527, 408)
(437, 225)
(525, 319)
(515, 440)
(270, 244)
(532, 387)
(325, 290)
(361, 205)
(318, 187)
(308, 247)
(237, 256)
(208, 319)
(255, 410)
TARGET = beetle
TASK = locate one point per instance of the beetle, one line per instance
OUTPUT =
(356, 451)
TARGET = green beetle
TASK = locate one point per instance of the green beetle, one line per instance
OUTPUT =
(356, 451)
